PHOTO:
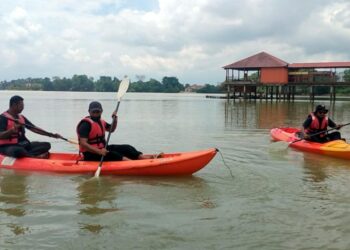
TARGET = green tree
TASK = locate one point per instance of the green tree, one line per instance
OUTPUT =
(47, 84)
(171, 85)
(82, 83)
(106, 84)
(347, 75)
(62, 84)
(210, 89)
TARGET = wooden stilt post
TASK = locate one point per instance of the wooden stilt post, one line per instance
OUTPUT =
(271, 93)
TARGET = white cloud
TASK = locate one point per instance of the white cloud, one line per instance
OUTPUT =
(19, 27)
(188, 39)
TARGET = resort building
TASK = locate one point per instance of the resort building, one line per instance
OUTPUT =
(278, 79)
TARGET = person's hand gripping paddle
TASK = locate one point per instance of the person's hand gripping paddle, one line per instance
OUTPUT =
(123, 87)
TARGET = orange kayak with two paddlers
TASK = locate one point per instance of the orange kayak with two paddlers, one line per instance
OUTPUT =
(185, 163)
(336, 148)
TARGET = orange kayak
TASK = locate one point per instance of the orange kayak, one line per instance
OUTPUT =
(185, 163)
(336, 148)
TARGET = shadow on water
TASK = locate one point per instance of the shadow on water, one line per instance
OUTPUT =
(105, 196)
(96, 197)
(173, 188)
(13, 197)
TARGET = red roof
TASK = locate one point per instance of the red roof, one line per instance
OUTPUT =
(320, 65)
(260, 60)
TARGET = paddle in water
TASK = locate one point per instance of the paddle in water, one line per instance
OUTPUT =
(123, 87)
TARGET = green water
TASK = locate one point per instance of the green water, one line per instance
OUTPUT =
(277, 199)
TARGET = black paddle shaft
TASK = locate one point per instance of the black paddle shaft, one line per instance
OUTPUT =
(109, 134)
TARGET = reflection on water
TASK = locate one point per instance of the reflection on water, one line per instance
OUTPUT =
(258, 114)
(180, 188)
(318, 168)
(97, 196)
(13, 197)
(13, 193)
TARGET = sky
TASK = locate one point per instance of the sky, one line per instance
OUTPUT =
(188, 39)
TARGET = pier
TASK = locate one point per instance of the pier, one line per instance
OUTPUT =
(263, 76)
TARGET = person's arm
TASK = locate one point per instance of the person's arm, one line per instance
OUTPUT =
(38, 130)
(332, 124)
(84, 143)
(4, 132)
(306, 124)
(114, 122)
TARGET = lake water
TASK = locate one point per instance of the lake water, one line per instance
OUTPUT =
(276, 199)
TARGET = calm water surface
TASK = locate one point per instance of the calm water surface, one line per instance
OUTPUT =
(277, 199)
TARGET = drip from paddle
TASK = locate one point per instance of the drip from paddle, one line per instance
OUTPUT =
(123, 87)
(47, 133)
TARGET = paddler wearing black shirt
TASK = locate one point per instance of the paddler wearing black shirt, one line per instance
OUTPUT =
(13, 141)
(91, 132)
(318, 122)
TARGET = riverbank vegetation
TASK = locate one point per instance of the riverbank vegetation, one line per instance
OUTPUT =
(102, 84)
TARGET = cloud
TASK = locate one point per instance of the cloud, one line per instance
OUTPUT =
(19, 27)
(191, 40)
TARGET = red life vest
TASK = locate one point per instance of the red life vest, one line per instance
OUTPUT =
(97, 134)
(11, 124)
(316, 126)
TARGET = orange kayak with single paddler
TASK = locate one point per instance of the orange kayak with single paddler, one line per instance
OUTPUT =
(336, 148)
(185, 163)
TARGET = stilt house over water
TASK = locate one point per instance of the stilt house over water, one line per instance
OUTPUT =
(266, 76)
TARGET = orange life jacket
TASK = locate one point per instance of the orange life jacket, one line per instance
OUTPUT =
(317, 126)
(11, 124)
(97, 134)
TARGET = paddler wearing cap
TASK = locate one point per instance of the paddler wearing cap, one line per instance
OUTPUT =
(318, 121)
(91, 132)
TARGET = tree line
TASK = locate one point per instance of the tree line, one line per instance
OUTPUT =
(102, 84)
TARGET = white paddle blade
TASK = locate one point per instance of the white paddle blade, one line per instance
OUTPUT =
(278, 146)
(123, 87)
(97, 173)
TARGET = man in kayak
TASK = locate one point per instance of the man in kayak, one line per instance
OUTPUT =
(91, 132)
(317, 123)
(13, 141)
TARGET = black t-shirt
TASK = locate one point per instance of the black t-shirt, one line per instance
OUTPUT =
(308, 122)
(85, 128)
(3, 127)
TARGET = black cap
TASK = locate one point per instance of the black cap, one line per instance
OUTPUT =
(321, 108)
(95, 106)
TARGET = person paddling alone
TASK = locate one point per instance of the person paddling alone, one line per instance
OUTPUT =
(317, 122)
(13, 141)
(91, 132)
